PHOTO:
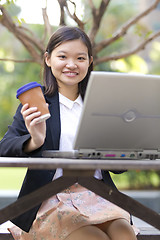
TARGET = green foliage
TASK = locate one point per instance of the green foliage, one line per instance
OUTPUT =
(154, 55)
(113, 17)
(11, 178)
(142, 30)
(13, 75)
(137, 180)
(134, 63)
(10, 81)
(11, 7)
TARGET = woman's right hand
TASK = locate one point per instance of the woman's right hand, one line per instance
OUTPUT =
(36, 130)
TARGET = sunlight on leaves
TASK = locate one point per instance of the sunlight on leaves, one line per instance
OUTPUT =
(120, 65)
(155, 52)
(2, 54)
(7, 1)
(132, 64)
(142, 30)
(9, 66)
(138, 64)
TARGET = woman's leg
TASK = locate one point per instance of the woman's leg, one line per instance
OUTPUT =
(88, 233)
(118, 229)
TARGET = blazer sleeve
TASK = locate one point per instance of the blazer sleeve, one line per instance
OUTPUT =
(13, 141)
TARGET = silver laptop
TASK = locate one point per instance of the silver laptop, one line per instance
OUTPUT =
(120, 118)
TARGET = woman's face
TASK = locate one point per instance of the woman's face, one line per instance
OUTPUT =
(69, 63)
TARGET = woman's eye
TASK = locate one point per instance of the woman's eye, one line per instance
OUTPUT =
(81, 58)
(62, 56)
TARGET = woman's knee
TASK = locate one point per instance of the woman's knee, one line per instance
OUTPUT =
(120, 229)
(88, 233)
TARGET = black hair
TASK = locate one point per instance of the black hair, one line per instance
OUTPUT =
(60, 36)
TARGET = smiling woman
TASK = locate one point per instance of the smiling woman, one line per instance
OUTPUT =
(76, 212)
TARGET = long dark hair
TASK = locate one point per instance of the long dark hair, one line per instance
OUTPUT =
(62, 35)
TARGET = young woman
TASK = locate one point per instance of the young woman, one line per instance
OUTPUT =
(76, 212)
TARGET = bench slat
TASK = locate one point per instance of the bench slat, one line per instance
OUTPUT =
(85, 164)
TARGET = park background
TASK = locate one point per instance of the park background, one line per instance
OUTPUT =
(14, 72)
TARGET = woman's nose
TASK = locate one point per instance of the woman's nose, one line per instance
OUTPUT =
(71, 64)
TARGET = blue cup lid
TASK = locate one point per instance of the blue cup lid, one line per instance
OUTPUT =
(27, 87)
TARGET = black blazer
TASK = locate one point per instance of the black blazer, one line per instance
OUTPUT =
(12, 146)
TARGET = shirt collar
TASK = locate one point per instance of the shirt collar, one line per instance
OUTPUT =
(69, 103)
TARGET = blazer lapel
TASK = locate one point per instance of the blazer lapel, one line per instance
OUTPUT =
(54, 121)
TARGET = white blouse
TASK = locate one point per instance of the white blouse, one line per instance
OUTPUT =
(70, 112)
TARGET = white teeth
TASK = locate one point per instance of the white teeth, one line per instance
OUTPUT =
(71, 73)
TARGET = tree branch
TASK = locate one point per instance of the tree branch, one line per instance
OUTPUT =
(48, 29)
(36, 47)
(123, 30)
(140, 47)
(31, 43)
(74, 16)
(97, 17)
(62, 4)
(16, 61)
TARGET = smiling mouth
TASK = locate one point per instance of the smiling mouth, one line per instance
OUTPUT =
(72, 74)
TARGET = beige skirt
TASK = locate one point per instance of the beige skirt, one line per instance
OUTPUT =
(67, 211)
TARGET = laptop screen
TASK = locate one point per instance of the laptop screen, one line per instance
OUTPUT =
(121, 111)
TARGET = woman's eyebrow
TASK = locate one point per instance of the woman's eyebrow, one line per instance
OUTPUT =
(82, 53)
(59, 52)
(79, 53)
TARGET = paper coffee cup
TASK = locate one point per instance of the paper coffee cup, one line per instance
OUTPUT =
(32, 94)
